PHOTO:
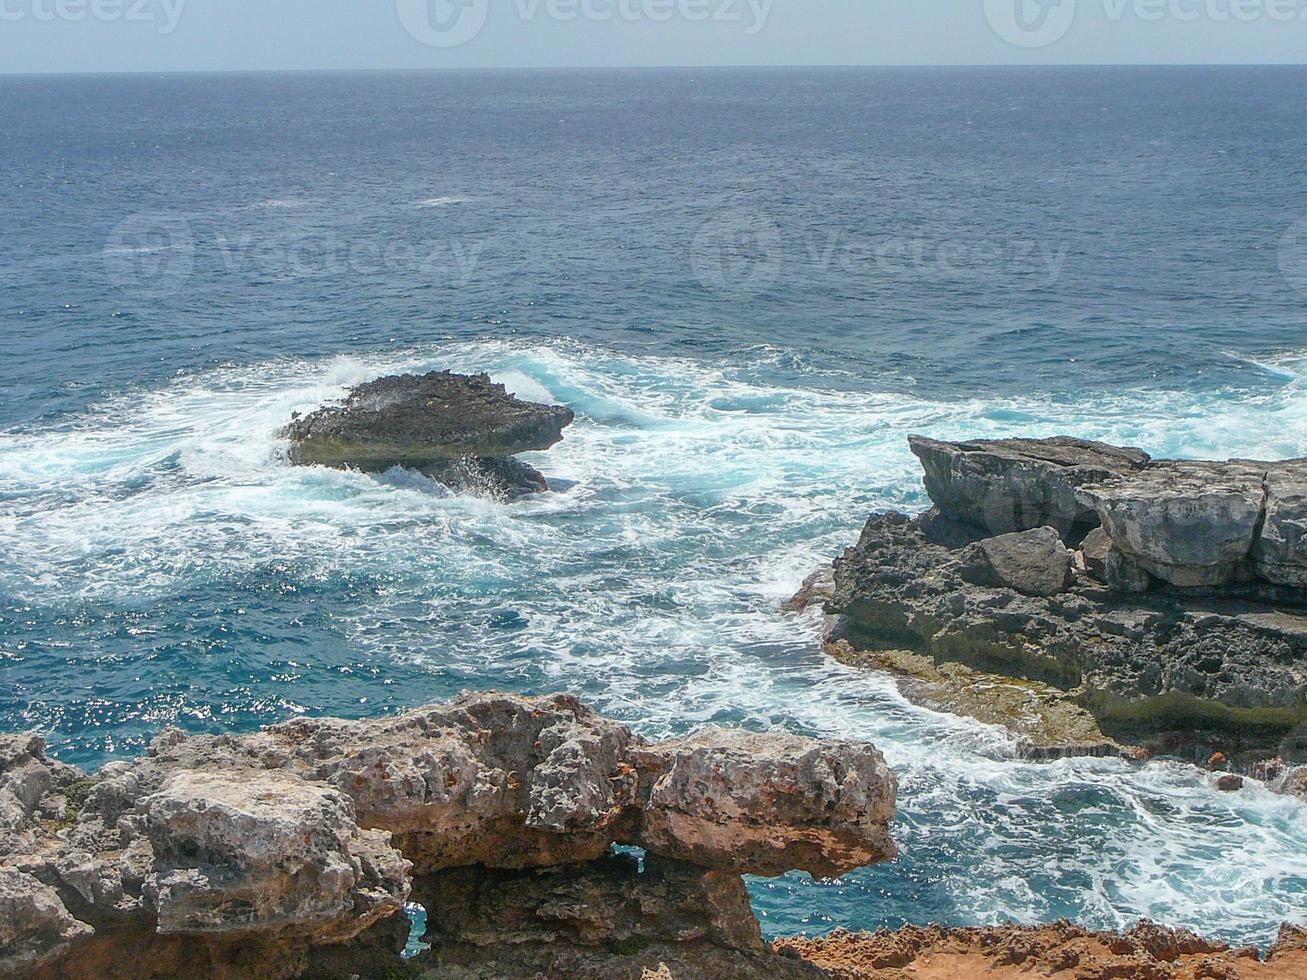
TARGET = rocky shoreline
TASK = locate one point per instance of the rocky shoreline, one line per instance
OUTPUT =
(292, 852)
(295, 852)
(1091, 599)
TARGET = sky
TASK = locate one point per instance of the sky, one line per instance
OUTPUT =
(258, 35)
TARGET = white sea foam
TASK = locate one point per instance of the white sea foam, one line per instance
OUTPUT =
(441, 202)
(696, 501)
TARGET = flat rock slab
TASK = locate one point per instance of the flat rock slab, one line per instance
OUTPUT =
(1191, 524)
(1006, 485)
(420, 421)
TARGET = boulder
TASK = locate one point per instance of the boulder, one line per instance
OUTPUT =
(770, 803)
(458, 430)
(1032, 562)
(1006, 485)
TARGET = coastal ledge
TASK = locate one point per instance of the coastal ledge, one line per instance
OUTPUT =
(292, 852)
(1091, 598)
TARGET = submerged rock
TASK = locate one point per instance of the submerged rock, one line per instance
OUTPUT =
(282, 852)
(459, 430)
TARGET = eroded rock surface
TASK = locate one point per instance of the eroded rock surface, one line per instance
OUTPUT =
(606, 920)
(1060, 949)
(259, 854)
(1006, 485)
(1223, 672)
(1186, 523)
(1161, 596)
(459, 430)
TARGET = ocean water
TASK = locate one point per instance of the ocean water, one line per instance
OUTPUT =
(750, 286)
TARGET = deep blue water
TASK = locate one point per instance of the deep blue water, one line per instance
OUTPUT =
(750, 285)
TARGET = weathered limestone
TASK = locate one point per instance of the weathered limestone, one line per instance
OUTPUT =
(1280, 554)
(1006, 485)
(766, 804)
(1061, 949)
(606, 920)
(272, 851)
(1190, 524)
(1157, 668)
(459, 430)
(1034, 562)
(1157, 624)
(35, 927)
(212, 853)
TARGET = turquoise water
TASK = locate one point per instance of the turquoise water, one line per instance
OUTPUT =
(160, 564)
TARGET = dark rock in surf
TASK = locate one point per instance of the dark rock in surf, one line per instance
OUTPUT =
(459, 430)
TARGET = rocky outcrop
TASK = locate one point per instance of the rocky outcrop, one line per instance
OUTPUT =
(1138, 599)
(294, 849)
(459, 430)
(1060, 949)
(1186, 523)
(1006, 485)
(1164, 669)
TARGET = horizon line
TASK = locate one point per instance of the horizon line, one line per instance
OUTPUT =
(337, 70)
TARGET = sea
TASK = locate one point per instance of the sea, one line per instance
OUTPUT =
(751, 285)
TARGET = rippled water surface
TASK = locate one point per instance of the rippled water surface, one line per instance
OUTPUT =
(191, 260)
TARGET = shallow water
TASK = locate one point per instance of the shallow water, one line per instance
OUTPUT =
(160, 564)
